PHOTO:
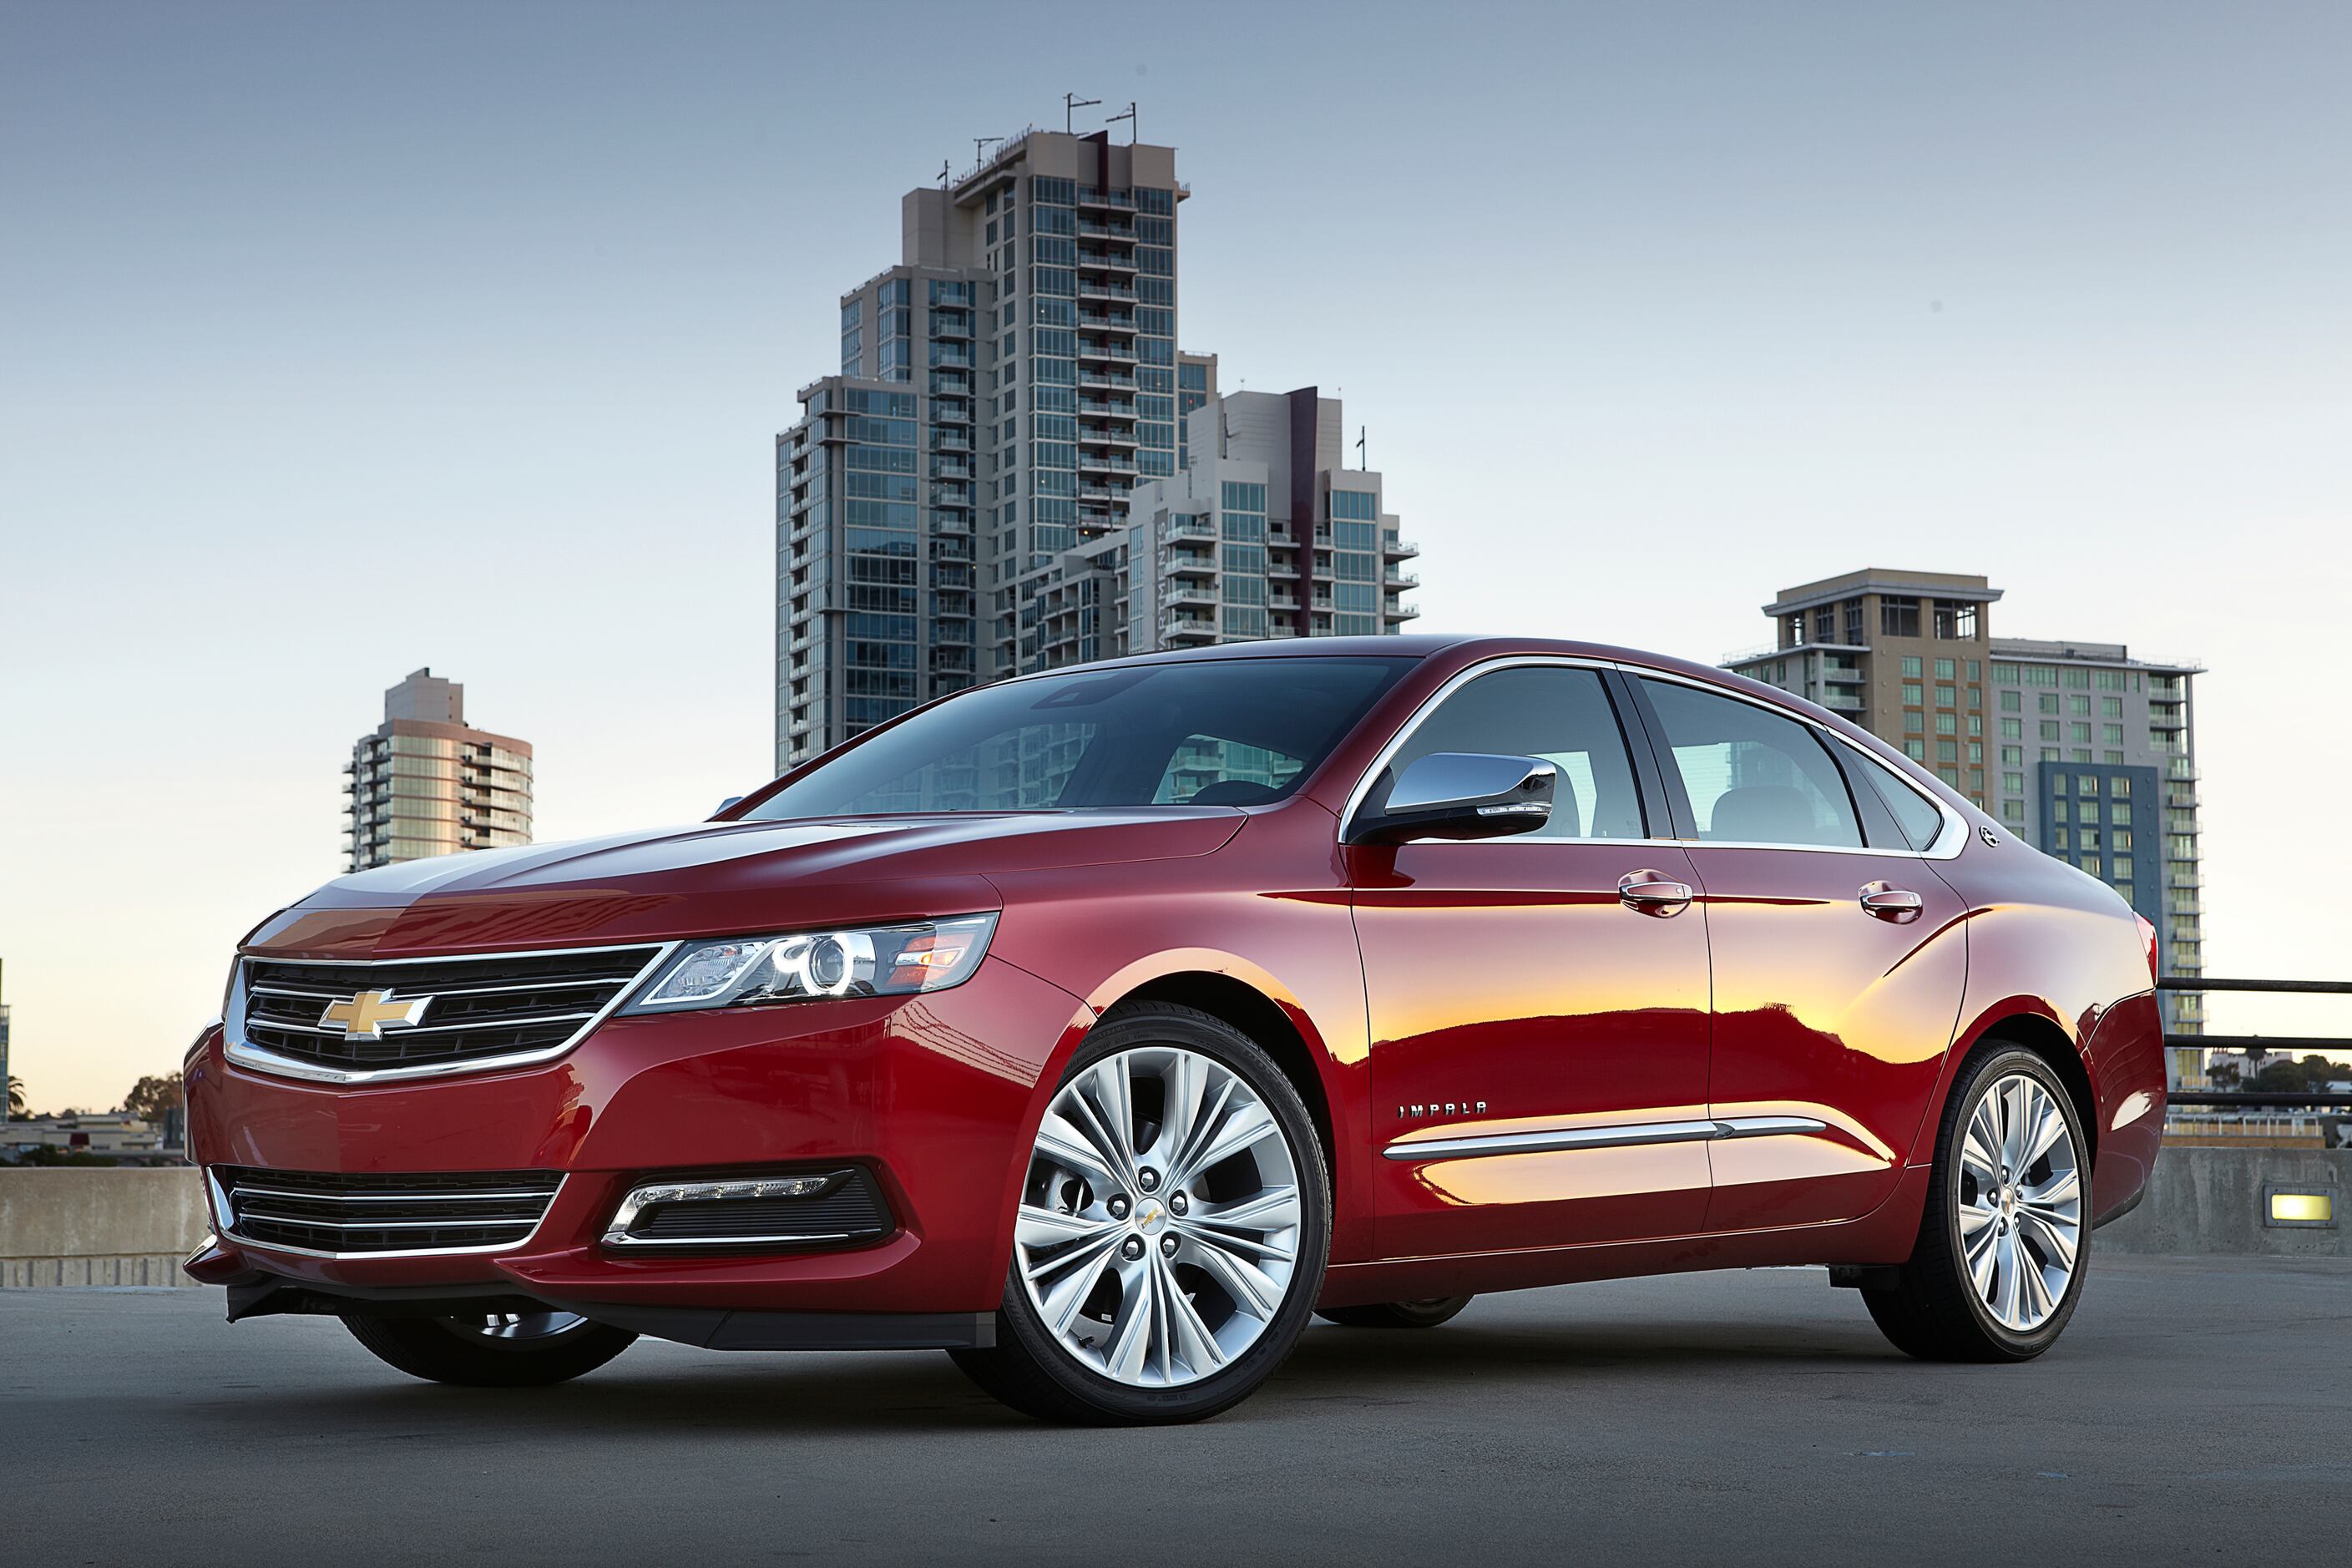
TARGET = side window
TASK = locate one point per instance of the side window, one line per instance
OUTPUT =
(1559, 714)
(1752, 776)
(1918, 819)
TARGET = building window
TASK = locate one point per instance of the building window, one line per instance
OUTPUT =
(2049, 729)
(2012, 702)
(1899, 618)
(1948, 724)
(1915, 722)
(1912, 693)
(1911, 668)
(1916, 750)
(2049, 702)
(1956, 620)
(2013, 783)
(1946, 697)
(2013, 729)
(2012, 811)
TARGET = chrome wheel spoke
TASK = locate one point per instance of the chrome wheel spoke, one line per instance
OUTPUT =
(1244, 1127)
(1155, 1260)
(1252, 1290)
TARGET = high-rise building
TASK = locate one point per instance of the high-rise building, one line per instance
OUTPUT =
(2079, 749)
(1262, 534)
(424, 783)
(999, 390)
(957, 504)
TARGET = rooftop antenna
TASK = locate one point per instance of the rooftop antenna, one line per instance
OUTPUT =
(1130, 118)
(980, 146)
(1363, 459)
(943, 173)
(1071, 104)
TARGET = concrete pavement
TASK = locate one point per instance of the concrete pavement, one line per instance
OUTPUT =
(2197, 1410)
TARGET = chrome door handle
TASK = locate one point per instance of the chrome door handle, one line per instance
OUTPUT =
(1889, 902)
(1653, 893)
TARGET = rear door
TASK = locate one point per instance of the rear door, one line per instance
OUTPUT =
(1539, 1040)
(1839, 955)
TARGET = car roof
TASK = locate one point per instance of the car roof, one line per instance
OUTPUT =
(1420, 646)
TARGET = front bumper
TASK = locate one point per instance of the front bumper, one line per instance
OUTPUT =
(935, 1095)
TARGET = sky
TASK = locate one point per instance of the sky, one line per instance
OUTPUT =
(336, 341)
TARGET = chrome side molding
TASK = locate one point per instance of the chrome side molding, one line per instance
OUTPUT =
(1623, 1135)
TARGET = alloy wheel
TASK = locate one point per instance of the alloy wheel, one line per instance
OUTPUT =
(1160, 1223)
(2018, 1202)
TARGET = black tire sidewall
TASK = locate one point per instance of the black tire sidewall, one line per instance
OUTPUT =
(1228, 1046)
(2003, 1062)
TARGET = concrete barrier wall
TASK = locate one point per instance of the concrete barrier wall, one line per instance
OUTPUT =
(2213, 1201)
(101, 1226)
(98, 1226)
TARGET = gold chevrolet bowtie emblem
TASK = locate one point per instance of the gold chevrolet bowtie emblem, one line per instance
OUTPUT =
(366, 1016)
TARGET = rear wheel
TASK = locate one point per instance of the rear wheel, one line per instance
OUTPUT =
(1423, 1314)
(2003, 1246)
(1171, 1233)
(494, 1350)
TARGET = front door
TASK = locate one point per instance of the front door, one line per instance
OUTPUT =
(1839, 956)
(1539, 1004)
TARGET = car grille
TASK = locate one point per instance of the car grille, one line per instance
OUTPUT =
(327, 1212)
(478, 1010)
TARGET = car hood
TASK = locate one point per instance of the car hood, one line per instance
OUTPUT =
(720, 877)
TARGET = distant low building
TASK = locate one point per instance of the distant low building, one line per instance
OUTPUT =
(424, 783)
(116, 1134)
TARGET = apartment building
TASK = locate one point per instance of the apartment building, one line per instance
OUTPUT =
(1000, 391)
(424, 783)
(960, 501)
(2080, 749)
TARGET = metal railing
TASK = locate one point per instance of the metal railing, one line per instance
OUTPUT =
(2282, 1045)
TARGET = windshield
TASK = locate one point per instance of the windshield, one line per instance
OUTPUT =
(1239, 732)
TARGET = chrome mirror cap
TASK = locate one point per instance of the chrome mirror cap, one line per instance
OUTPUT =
(1459, 794)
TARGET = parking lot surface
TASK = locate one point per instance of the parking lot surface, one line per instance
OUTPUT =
(2197, 1410)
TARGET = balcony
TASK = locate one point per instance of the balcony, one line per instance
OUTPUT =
(1095, 377)
(1395, 579)
(1188, 593)
(1184, 564)
(1841, 701)
(1104, 349)
(1094, 228)
(1104, 408)
(1103, 436)
(1187, 629)
(1094, 197)
(1191, 525)
(1095, 258)
(1398, 549)
(1103, 321)
(1104, 288)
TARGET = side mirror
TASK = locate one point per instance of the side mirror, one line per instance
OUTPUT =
(1460, 795)
(730, 800)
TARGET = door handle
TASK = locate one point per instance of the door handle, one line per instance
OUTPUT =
(1889, 902)
(1653, 893)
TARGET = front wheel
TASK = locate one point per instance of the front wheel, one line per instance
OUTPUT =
(1421, 1314)
(1172, 1229)
(492, 1350)
(2003, 1246)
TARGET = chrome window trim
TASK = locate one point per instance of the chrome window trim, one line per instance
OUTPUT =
(246, 1054)
(1621, 1135)
(1948, 844)
(225, 1216)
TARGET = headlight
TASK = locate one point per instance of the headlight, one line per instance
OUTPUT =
(863, 960)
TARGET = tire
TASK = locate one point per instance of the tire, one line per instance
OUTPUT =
(494, 1350)
(1424, 1314)
(2002, 1253)
(1170, 1289)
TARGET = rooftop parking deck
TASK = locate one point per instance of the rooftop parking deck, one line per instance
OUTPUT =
(2197, 1410)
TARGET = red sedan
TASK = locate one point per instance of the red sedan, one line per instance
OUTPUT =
(1099, 1027)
